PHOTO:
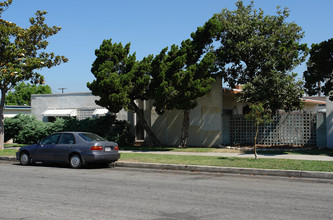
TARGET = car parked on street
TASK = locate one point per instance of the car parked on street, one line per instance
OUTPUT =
(74, 148)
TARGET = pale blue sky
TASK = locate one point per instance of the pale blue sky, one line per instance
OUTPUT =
(149, 25)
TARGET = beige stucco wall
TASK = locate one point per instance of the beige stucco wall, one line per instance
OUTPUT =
(205, 122)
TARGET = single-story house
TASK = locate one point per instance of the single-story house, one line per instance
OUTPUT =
(208, 124)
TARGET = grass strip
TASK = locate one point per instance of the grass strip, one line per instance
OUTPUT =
(283, 164)
(8, 152)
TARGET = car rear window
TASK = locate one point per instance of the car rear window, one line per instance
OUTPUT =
(91, 137)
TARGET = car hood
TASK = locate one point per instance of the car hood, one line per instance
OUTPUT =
(29, 147)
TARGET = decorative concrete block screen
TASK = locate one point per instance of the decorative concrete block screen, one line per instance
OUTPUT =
(284, 129)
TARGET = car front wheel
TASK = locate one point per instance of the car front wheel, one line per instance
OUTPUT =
(25, 158)
(75, 161)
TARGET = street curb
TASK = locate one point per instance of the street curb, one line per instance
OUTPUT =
(233, 170)
(212, 169)
(8, 158)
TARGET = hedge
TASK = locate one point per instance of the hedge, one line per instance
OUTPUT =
(26, 129)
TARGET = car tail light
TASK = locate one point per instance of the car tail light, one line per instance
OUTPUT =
(96, 148)
(116, 148)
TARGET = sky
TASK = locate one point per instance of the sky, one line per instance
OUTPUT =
(149, 25)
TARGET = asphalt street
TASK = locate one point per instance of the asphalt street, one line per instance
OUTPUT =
(52, 192)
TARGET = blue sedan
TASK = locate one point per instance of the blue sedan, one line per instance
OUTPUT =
(73, 148)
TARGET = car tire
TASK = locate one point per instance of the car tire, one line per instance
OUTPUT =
(75, 161)
(25, 158)
(32, 162)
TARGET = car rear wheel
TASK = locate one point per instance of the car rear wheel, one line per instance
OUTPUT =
(75, 161)
(25, 158)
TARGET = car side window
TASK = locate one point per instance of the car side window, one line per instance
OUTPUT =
(67, 139)
(53, 139)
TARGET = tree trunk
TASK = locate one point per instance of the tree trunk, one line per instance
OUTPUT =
(2, 126)
(184, 131)
(255, 143)
(145, 125)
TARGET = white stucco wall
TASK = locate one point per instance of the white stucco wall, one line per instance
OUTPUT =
(329, 123)
(41, 102)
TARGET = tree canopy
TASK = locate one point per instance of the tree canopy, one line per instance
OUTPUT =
(22, 54)
(180, 76)
(254, 44)
(23, 91)
(120, 80)
(320, 69)
(261, 51)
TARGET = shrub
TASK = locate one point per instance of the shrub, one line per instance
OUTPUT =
(27, 129)
(14, 125)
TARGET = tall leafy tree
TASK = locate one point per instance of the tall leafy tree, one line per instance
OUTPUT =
(320, 69)
(254, 44)
(22, 54)
(180, 76)
(260, 51)
(23, 91)
(120, 80)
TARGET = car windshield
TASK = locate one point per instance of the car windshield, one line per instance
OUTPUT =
(91, 137)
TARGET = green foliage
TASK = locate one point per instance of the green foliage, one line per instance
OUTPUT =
(274, 92)
(180, 76)
(258, 114)
(27, 130)
(120, 79)
(320, 69)
(253, 44)
(23, 53)
(23, 92)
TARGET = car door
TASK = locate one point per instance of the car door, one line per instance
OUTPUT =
(63, 148)
(44, 152)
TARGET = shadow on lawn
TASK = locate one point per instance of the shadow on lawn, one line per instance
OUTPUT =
(323, 152)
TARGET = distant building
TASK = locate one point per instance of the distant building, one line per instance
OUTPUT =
(47, 107)
(11, 110)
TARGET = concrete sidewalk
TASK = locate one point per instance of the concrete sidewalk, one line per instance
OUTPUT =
(240, 155)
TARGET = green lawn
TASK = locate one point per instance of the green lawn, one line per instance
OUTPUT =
(304, 165)
(8, 152)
